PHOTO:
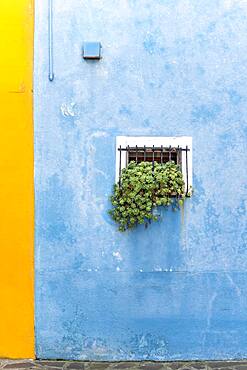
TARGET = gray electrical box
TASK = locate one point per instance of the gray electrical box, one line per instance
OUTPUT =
(91, 50)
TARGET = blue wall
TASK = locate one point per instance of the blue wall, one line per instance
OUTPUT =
(177, 290)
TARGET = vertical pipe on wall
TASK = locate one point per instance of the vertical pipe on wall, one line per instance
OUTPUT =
(50, 27)
(153, 160)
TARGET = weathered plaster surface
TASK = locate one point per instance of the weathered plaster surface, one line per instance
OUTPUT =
(178, 289)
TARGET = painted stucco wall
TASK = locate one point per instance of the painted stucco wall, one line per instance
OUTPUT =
(177, 290)
(16, 180)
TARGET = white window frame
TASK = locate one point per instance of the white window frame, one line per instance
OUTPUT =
(157, 141)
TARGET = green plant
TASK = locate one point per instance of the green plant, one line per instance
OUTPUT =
(142, 187)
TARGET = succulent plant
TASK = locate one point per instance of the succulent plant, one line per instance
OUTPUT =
(141, 188)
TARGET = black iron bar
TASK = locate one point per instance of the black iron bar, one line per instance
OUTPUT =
(165, 150)
(180, 158)
(187, 173)
(153, 159)
(145, 153)
(170, 154)
(136, 154)
(120, 165)
(161, 154)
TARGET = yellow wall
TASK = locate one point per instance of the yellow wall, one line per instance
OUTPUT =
(16, 180)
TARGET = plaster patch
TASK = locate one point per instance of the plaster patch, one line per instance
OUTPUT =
(117, 255)
(158, 268)
(68, 110)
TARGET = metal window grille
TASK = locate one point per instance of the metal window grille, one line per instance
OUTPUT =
(154, 154)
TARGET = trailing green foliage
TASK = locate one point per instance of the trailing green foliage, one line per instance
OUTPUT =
(143, 187)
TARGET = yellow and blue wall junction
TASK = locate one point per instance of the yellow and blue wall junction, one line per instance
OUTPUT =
(176, 290)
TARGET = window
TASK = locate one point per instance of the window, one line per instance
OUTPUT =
(159, 149)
